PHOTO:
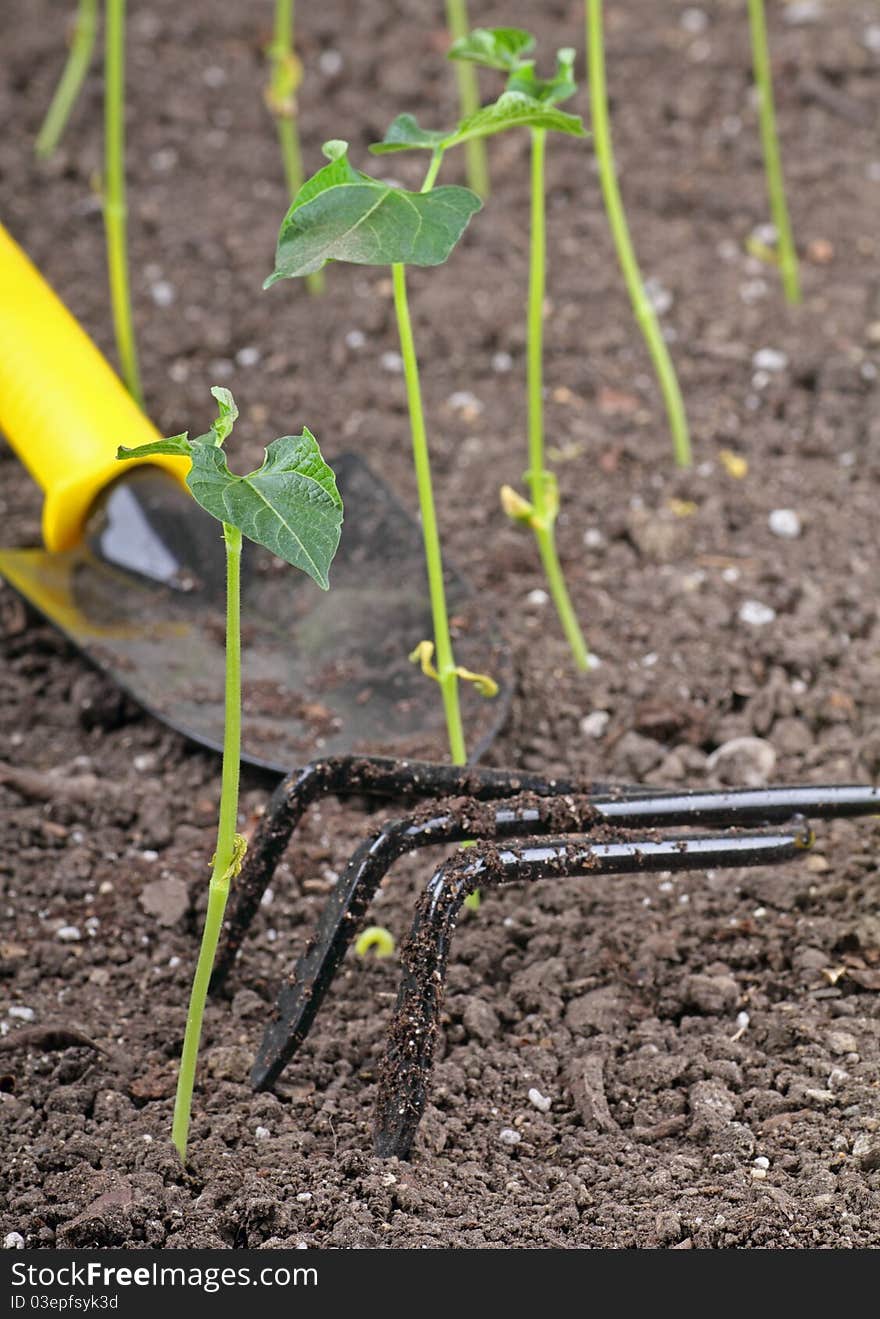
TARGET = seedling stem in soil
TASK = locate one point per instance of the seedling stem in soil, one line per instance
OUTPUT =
(786, 253)
(281, 98)
(291, 506)
(469, 99)
(77, 66)
(644, 311)
(115, 214)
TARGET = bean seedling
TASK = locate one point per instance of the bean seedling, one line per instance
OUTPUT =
(341, 214)
(785, 255)
(77, 66)
(115, 212)
(289, 505)
(642, 306)
(281, 96)
(503, 49)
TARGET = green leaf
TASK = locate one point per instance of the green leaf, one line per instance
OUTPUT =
(227, 415)
(406, 134)
(548, 90)
(290, 504)
(179, 445)
(493, 47)
(350, 216)
(514, 110)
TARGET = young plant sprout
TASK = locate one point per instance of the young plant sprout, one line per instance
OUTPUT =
(527, 102)
(115, 213)
(374, 939)
(284, 81)
(785, 255)
(291, 506)
(78, 60)
(468, 99)
(641, 303)
(504, 48)
(341, 214)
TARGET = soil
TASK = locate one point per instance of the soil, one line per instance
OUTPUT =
(709, 1043)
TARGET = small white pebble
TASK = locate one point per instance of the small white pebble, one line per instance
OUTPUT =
(847, 458)
(148, 1139)
(594, 724)
(163, 160)
(162, 293)
(19, 1012)
(730, 574)
(262, 1133)
(541, 1102)
(649, 660)
(508, 1136)
(173, 962)
(872, 171)
(761, 1162)
(267, 898)
(742, 1020)
(502, 363)
(392, 362)
(764, 233)
(68, 934)
(593, 538)
(871, 38)
(801, 12)
(537, 597)
(769, 359)
(753, 290)
(214, 76)
(759, 1174)
(271, 936)
(355, 339)
(785, 523)
(330, 62)
(694, 20)
(304, 1197)
(144, 762)
(93, 924)
(464, 401)
(248, 356)
(222, 368)
(179, 371)
(593, 661)
(149, 854)
(665, 886)
(684, 899)
(659, 297)
(756, 614)
(13, 1241)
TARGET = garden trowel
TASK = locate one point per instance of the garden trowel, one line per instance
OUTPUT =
(133, 572)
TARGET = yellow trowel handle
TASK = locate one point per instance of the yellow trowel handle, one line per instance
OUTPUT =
(62, 408)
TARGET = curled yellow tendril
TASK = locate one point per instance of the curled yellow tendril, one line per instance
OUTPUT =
(375, 939)
(423, 655)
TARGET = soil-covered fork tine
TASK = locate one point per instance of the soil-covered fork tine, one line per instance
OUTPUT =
(354, 776)
(412, 1034)
(739, 806)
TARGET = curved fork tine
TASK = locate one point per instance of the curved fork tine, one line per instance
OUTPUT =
(738, 806)
(409, 1050)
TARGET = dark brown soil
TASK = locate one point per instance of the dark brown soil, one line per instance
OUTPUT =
(672, 1122)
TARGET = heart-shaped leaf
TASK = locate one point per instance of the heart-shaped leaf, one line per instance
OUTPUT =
(290, 504)
(493, 47)
(349, 216)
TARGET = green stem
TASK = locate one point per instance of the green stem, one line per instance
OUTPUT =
(538, 476)
(114, 193)
(78, 60)
(445, 662)
(644, 312)
(469, 98)
(785, 248)
(283, 106)
(224, 856)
